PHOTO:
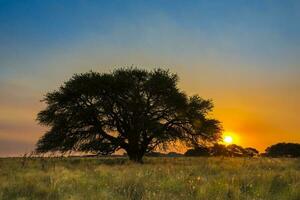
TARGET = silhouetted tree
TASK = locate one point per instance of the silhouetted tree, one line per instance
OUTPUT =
(131, 109)
(251, 152)
(283, 150)
(232, 150)
(219, 150)
(198, 151)
(235, 150)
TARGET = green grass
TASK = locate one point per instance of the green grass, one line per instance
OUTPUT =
(158, 178)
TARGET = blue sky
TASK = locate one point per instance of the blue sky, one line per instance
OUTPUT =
(230, 51)
(32, 31)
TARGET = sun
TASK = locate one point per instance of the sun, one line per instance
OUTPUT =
(227, 139)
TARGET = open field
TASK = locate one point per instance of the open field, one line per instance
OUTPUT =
(158, 178)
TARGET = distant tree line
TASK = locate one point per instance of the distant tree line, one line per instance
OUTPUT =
(233, 150)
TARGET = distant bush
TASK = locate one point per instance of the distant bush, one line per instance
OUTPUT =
(251, 152)
(199, 151)
(232, 150)
(155, 154)
(283, 150)
(219, 150)
(174, 154)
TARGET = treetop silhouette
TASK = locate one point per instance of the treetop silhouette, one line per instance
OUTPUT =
(131, 109)
(283, 150)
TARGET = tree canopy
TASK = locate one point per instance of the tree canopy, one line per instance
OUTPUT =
(283, 150)
(131, 109)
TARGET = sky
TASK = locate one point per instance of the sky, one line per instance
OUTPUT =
(244, 55)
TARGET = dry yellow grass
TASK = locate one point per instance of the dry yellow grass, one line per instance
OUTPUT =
(158, 178)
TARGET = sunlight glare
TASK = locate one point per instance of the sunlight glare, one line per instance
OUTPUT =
(227, 139)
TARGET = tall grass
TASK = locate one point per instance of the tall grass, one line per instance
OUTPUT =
(158, 178)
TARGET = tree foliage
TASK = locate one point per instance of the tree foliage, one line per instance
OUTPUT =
(131, 109)
(283, 150)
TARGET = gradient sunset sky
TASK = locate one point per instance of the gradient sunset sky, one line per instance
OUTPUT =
(245, 55)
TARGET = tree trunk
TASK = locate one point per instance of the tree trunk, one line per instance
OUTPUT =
(136, 158)
(136, 155)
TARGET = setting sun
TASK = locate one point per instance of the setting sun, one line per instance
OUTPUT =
(227, 139)
(230, 137)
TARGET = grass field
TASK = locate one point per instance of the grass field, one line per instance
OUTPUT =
(158, 178)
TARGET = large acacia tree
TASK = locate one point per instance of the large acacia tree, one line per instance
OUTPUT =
(131, 109)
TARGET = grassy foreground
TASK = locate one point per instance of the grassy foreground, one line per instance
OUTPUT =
(158, 178)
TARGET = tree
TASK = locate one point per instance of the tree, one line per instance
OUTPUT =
(251, 152)
(283, 150)
(235, 150)
(232, 150)
(198, 151)
(219, 150)
(131, 109)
